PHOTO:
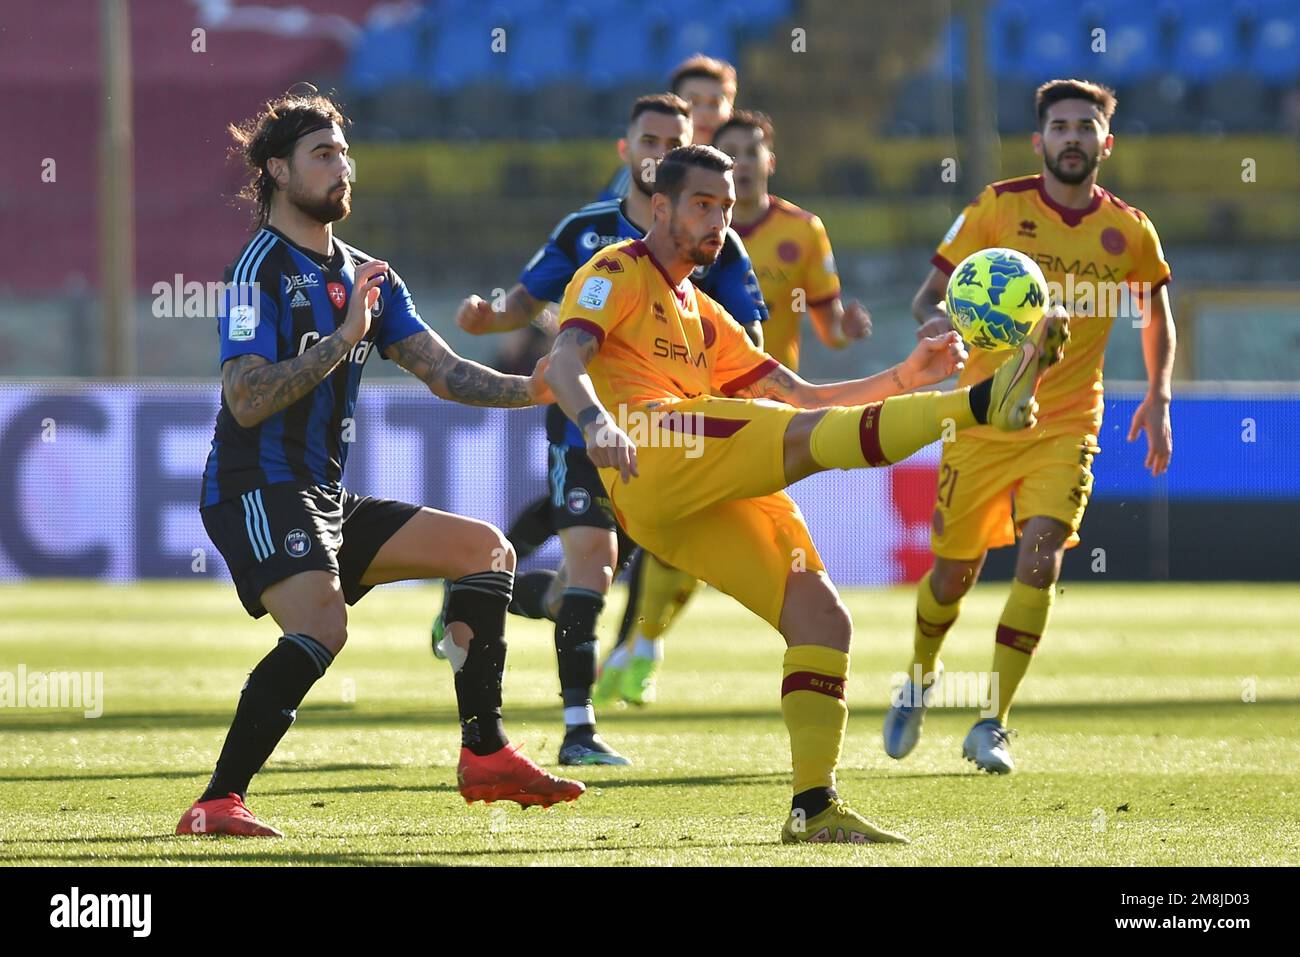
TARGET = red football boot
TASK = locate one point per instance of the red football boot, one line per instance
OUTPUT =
(507, 775)
(227, 815)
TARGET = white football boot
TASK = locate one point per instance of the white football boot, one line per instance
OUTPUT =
(906, 714)
(986, 745)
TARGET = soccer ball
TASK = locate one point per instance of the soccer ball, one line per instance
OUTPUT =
(995, 298)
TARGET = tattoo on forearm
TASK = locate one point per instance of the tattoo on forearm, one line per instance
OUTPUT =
(587, 416)
(580, 339)
(898, 381)
(260, 389)
(453, 377)
(777, 384)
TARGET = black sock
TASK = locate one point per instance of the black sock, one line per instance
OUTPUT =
(267, 706)
(575, 644)
(813, 801)
(532, 528)
(479, 600)
(529, 599)
(633, 597)
(980, 394)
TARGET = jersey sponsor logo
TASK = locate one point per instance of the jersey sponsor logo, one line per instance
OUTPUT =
(1049, 262)
(243, 324)
(577, 501)
(955, 228)
(675, 351)
(593, 241)
(299, 301)
(609, 264)
(788, 251)
(359, 353)
(301, 281)
(297, 543)
(595, 291)
(1113, 241)
(337, 293)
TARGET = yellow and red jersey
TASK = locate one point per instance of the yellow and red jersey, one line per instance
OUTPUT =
(659, 340)
(790, 251)
(1086, 256)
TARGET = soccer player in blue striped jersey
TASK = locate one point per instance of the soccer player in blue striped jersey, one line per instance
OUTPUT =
(303, 312)
(578, 505)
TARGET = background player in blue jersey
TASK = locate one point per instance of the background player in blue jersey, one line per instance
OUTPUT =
(578, 505)
(708, 85)
(302, 314)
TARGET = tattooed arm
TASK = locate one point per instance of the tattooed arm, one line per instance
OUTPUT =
(607, 445)
(933, 360)
(256, 389)
(427, 357)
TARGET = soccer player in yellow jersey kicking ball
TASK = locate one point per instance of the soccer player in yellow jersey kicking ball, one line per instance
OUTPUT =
(696, 434)
(792, 258)
(995, 487)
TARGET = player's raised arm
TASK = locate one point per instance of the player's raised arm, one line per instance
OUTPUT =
(479, 317)
(607, 445)
(256, 389)
(837, 325)
(933, 360)
(450, 376)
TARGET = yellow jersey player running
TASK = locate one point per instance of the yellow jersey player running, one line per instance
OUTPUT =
(1097, 254)
(696, 433)
(792, 257)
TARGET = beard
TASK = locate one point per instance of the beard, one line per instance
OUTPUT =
(695, 252)
(1086, 169)
(647, 189)
(324, 209)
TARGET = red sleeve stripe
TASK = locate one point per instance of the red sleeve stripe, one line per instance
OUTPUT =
(586, 325)
(812, 681)
(1161, 282)
(869, 436)
(942, 264)
(750, 377)
(824, 300)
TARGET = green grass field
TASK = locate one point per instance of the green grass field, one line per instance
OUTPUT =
(1135, 744)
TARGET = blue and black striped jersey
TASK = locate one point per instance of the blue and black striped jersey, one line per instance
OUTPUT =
(579, 236)
(617, 186)
(279, 301)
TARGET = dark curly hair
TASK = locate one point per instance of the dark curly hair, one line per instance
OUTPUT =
(273, 132)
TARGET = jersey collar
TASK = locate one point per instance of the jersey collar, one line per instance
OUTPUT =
(1071, 217)
(744, 231)
(639, 248)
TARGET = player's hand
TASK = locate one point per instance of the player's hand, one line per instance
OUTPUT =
(475, 316)
(365, 293)
(934, 359)
(1152, 416)
(609, 447)
(936, 326)
(856, 323)
(538, 390)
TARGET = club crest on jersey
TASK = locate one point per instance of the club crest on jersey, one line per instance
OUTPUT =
(1113, 241)
(577, 501)
(243, 324)
(297, 543)
(338, 295)
(594, 292)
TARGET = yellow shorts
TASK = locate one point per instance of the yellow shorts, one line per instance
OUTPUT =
(709, 499)
(989, 488)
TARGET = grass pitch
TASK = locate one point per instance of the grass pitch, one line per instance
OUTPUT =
(1160, 725)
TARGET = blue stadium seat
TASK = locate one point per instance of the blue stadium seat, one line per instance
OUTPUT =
(949, 61)
(686, 38)
(1206, 47)
(540, 51)
(755, 17)
(1056, 47)
(1132, 49)
(462, 54)
(619, 51)
(387, 55)
(1276, 52)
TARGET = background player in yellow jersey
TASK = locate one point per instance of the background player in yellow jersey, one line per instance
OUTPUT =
(697, 432)
(792, 257)
(993, 486)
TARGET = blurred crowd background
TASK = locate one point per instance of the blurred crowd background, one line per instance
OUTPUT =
(478, 125)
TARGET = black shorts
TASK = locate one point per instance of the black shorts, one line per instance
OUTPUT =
(275, 532)
(578, 497)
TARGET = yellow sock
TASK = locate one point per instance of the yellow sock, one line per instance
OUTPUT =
(1023, 621)
(867, 436)
(664, 592)
(812, 703)
(932, 623)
